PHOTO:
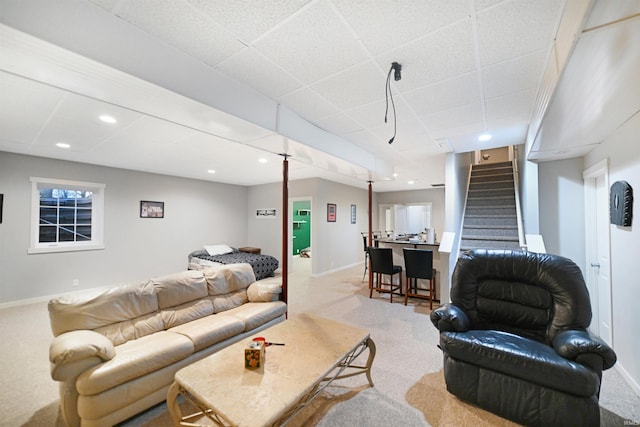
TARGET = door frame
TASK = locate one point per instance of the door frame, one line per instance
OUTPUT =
(590, 176)
(290, 227)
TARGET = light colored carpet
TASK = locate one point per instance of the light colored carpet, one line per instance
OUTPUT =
(407, 372)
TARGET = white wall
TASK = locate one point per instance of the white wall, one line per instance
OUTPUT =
(623, 150)
(196, 213)
(335, 245)
(561, 198)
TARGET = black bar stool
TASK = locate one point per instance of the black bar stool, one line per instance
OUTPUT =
(382, 263)
(418, 264)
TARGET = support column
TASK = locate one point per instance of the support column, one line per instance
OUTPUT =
(370, 231)
(285, 228)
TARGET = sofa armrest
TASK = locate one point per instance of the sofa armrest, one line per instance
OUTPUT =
(264, 291)
(580, 345)
(450, 318)
(77, 351)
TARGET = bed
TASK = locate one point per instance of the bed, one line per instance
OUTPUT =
(263, 265)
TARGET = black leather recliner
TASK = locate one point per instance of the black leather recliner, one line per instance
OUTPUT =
(515, 342)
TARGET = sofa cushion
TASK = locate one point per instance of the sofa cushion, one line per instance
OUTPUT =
(255, 314)
(180, 288)
(94, 309)
(134, 359)
(138, 327)
(174, 316)
(210, 330)
(228, 301)
(520, 358)
(228, 279)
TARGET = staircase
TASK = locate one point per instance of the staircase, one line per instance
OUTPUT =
(490, 218)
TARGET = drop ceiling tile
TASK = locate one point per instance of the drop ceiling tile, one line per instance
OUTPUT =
(252, 68)
(445, 120)
(389, 23)
(309, 104)
(372, 114)
(358, 85)
(179, 25)
(516, 107)
(484, 4)
(314, 45)
(445, 95)
(248, 19)
(515, 28)
(440, 55)
(516, 75)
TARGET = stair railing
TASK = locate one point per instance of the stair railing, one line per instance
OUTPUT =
(516, 186)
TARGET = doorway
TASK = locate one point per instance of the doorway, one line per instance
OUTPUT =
(598, 275)
(301, 226)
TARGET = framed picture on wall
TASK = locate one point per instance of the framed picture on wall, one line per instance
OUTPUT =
(151, 209)
(331, 212)
(353, 214)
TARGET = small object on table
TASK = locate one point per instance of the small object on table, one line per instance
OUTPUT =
(250, 250)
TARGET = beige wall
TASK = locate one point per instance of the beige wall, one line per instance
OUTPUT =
(196, 213)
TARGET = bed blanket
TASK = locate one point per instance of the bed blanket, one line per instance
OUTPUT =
(263, 265)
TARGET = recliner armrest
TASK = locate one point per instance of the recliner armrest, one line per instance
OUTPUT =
(578, 344)
(450, 318)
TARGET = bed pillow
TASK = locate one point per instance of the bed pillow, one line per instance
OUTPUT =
(218, 249)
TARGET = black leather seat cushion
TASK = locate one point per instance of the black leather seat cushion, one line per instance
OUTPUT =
(521, 358)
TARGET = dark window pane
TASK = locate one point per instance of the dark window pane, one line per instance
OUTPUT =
(48, 202)
(67, 216)
(83, 233)
(69, 203)
(48, 234)
(85, 202)
(83, 216)
(66, 234)
(48, 215)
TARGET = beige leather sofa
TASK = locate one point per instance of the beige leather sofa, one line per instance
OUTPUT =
(115, 352)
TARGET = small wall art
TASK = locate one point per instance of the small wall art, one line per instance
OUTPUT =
(150, 209)
(353, 214)
(621, 204)
(266, 213)
(331, 212)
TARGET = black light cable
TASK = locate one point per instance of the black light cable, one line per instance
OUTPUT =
(388, 94)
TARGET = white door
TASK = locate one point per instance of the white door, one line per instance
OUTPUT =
(598, 260)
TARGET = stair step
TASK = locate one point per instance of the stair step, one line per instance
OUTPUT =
(497, 171)
(491, 178)
(488, 244)
(492, 165)
(491, 185)
(490, 238)
(490, 220)
(492, 227)
(491, 211)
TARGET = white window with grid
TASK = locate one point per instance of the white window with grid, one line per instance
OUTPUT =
(66, 215)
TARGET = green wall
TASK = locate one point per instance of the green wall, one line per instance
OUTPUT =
(301, 229)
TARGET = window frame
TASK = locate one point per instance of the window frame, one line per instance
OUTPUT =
(97, 216)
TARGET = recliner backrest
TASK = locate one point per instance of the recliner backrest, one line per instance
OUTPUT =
(526, 293)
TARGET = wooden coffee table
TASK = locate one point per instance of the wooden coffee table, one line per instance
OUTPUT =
(317, 351)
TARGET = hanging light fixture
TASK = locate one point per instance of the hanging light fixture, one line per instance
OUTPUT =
(396, 68)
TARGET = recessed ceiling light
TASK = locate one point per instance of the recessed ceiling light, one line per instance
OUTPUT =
(395, 175)
(63, 145)
(411, 182)
(262, 160)
(211, 171)
(107, 119)
(484, 137)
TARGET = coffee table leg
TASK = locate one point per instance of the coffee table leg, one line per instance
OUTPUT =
(372, 353)
(172, 403)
